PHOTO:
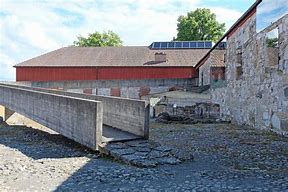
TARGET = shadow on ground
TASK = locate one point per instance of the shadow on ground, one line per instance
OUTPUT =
(39, 144)
(227, 158)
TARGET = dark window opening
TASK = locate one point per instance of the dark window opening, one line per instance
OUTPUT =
(272, 48)
(239, 62)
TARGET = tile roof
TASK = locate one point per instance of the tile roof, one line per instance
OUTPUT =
(114, 56)
(217, 58)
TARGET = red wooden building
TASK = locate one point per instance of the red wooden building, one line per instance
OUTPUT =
(114, 63)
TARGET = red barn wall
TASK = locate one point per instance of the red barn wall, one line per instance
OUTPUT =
(55, 73)
(102, 73)
(217, 73)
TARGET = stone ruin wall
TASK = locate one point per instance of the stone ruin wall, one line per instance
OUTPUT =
(261, 93)
(205, 70)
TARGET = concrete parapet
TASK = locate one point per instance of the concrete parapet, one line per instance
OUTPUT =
(128, 115)
(76, 118)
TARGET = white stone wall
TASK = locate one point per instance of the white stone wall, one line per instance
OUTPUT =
(259, 93)
(205, 70)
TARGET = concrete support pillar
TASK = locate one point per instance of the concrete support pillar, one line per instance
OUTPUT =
(6, 112)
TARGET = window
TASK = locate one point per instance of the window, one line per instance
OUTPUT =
(272, 48)
(286, 92)
(239, 70)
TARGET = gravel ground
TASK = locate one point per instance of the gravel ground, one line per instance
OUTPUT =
(226, 158)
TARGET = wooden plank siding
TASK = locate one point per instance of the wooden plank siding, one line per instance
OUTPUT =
(102, 73)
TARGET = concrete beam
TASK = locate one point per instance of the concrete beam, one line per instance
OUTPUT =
(128, 115)
(78, 119)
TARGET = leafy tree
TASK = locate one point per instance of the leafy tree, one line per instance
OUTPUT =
(200, 24)
(272, 42)
(98, 39)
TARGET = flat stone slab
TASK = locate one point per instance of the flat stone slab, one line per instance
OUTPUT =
(141, 153)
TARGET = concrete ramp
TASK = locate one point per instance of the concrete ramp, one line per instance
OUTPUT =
(89, 120)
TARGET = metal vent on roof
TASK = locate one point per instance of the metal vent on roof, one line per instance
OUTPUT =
(182, 45)
(222, 45)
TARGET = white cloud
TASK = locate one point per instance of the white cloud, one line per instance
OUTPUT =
(7, 72)
(30, 28)
(227, 16)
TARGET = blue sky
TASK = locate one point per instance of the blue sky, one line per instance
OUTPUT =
(29, 28)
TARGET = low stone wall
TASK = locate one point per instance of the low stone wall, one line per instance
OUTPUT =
(76, 118)
(114, 83)
(197, 110)
(125, 114)
(133, 89)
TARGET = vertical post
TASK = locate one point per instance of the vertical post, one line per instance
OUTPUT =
(2, 109)
(6, 112)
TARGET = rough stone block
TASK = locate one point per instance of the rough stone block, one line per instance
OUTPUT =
(168, 160)
(115, 91)
(131, 157)
(144, 163)
(87, 91)
(280, 121)
(286, 92)
(104, 91)
(158, 154)
(120, 152)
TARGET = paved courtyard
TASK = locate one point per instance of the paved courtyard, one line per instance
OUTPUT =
(215, 157)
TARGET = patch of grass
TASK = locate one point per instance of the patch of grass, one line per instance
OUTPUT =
(214, 148)
(253, 142)
(272, 136)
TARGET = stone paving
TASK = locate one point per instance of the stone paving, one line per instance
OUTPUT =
(226, 158)
(141, 153)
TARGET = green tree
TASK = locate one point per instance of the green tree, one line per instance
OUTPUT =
(98, 39)
(200, 24)
(272, 42)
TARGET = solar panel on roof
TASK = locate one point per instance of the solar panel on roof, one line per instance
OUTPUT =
(192, 44)
(181, 45)
(222, 45)
(186, 45)
(164, 45)
(208, 44)
(178, 45)
(171, 45)
(156, 45)
(201, 45)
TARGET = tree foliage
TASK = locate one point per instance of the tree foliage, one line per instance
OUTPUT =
(98, 39)
(200, 24)
(272, 42)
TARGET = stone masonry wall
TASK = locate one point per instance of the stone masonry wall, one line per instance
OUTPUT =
(204, 73)
(259, 95)
(133, 89)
